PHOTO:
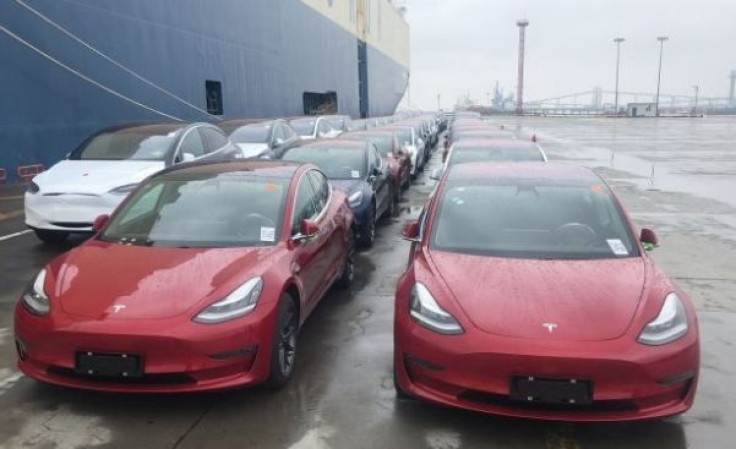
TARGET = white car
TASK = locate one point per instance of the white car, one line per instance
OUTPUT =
(93, 179)
(314, 128)
(259, 138)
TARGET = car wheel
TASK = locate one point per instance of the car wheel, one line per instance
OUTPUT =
(51, 237)
(369, 233)
(400, 393)
(283, 352)
(348, 269)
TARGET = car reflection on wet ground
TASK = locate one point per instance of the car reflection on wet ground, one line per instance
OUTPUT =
(342, 394)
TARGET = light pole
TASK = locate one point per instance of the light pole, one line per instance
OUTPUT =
(522, 24)
(661, 40)
(618, 41)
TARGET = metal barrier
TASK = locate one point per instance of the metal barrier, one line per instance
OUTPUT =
(28, 172)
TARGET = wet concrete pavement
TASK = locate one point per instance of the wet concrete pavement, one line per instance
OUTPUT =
(342, 393)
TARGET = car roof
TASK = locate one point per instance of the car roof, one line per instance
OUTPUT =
(153, 128)
(245, 121)
(523, 171)
(496, 143)
(270, 169)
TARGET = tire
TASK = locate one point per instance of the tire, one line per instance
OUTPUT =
(348, 269)
(283, 352)
(51, 237)
(400, 393)
(369, 235)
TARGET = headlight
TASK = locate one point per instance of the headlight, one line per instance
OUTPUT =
(355, 199)
(239, 303)
(670, 324)
(33, 188)
(424, 309)
(34, 298)
(124, 190)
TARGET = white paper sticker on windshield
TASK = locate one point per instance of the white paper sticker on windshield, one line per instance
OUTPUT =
(268, 234)
(618, 247)
(355, 174)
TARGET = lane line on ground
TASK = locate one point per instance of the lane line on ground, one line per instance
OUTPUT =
(15, 234)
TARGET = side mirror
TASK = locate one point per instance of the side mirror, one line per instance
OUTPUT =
(411, 232)
(436, 174)
(649, 239)
(187, 157)
(308, 229)
(100, 222)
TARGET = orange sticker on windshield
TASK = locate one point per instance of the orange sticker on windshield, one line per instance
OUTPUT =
(270, 187)
(597, 189)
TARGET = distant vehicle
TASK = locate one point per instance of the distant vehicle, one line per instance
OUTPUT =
(357, 169)
(412, 143)
(191, 284)
(342, 123)
(259, 138)
(310, 128)
(528, 295)
(99, 174)
(469, 150)
(397, 159)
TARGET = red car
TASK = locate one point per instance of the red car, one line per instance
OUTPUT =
(528, 295)
(388, 145)
(199, 281)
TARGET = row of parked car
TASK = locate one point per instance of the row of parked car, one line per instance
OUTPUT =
(95, 177)
(527, 292)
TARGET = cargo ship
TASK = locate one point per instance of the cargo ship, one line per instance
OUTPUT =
(71, 67)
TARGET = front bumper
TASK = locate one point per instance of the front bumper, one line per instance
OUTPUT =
(177, 354)
(68, 212)
(474, 371)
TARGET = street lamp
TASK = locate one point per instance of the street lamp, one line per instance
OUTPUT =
(661, 40)
(618, 41)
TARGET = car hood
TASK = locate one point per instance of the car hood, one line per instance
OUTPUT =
(252, 149)
(348, 186)
(99, 278)
(546, 299)
(94, 177)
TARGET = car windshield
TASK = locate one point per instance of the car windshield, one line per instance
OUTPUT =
(335, 162)
(222, 210)
(531, 220)
(384, 142)
(464, 154)
(252, 134)
(129, 144)
(304, 127)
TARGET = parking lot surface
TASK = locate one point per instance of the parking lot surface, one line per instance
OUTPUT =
(674, 175)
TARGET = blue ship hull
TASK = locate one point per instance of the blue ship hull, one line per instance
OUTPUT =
(265, 55)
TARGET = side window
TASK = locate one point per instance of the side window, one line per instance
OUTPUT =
(321, 188)
(213, 139)
(192, 144)
(324, 127)
(279, 135)
(304, 208)
(288, 132)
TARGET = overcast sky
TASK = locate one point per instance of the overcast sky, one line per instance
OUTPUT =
(466, 45)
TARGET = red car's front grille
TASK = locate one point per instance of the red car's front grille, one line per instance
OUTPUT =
(505, 401)
(148, 379)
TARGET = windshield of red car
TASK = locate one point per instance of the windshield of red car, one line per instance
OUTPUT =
(531, 220)
(220, 210)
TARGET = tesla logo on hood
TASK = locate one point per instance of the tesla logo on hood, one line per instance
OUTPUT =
(550, 326)
(117, 308)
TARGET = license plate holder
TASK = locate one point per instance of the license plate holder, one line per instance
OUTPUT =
(551, 391)
(120, 366)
